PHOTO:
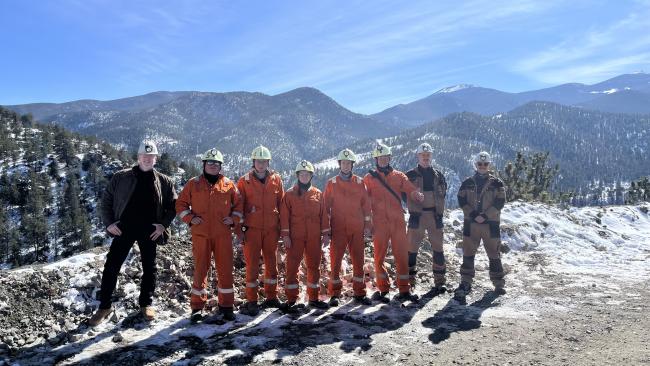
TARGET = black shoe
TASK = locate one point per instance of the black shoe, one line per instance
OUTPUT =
(499, 291)
(197, 315)
(363, 300)
(319, 304)
(439, 290)
(406, 296)
(461, 292)
(286, 306)
(272, 303)
(381, 297)
(250, 308)
(334, 301)
(227, 313)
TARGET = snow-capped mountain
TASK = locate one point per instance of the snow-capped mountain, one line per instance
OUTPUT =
(629, 93)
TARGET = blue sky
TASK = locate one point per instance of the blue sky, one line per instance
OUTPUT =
(367, 55)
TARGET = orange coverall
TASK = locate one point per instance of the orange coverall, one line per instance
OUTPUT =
(262, 217)
(348, 206)
(211, 237)
(303, 219)
(389, 225)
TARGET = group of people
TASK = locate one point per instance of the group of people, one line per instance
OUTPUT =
(140, 203)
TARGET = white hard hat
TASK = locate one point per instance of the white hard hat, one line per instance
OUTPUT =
(482, 157)
(148, 147)
(424, 148)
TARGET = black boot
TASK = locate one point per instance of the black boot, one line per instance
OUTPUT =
(461, 292)
(272, 303)
(381, 297)
(334, 301)
(227, 313)
(499, 291)
(406, 296)
(363, 300)
(318, 304)
(439, 290)
(197, 315)
(250, 308)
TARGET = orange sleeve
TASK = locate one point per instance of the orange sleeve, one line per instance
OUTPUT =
(241, 187)
(237, 205)
(285, 213)
(365, 199)
(406, 185)
(324, 217)
(327, 196)
(281, 194)
(183, 203)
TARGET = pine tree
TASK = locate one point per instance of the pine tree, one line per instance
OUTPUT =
(639, 191)
(33, 223)
(529, 177)
(5, 250)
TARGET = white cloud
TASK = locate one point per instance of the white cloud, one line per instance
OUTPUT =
(617, 48)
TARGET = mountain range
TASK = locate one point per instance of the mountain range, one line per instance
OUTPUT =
(593, 131)
(629, 93)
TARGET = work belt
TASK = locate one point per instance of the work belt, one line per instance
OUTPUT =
(429, 208)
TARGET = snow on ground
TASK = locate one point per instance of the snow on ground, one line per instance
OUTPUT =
(590, 247)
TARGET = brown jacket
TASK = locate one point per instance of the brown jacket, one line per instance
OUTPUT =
(439, 190)
(488, 202)
(119, 190)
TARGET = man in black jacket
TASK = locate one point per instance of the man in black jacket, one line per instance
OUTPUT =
(426, 217)
(138, 205)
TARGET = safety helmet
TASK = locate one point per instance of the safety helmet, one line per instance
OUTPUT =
(424, 148)
(482, 157)
(147, 147)
(212, 155)
(261, 153)
(305, 165)
(381, 150)
(347, 154)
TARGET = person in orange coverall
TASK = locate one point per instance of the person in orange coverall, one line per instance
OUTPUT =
(210, 204)
(347, 202)
(304, 228)
(388, 222)
(261, 191)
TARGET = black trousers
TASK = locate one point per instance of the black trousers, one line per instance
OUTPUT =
(117, 254)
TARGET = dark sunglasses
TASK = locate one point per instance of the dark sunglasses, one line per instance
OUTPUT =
(210, 162)
(482, 164)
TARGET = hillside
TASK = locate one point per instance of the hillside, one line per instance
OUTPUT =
(588, 146)
(577, 283)
(298, 124)
(51, 180)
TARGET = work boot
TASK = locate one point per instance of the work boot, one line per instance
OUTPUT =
(271, 303)
(197, 315)
(250, 308)
(406, 296)
(499, 291)
(99, 316)
(461, 292)
(439, 290)
(286, 306)
(148, 312)
(227, 313)
(363, 300)
(334, 301)
(318, 304)
(381, 297)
